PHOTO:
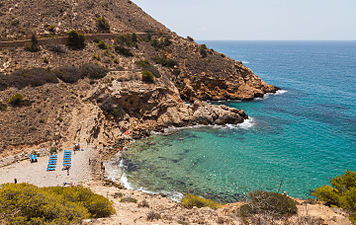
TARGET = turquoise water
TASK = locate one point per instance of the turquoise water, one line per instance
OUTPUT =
(301, 138)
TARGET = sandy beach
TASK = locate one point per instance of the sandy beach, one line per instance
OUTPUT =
(36, 173)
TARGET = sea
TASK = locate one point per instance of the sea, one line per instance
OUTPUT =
(295, 140)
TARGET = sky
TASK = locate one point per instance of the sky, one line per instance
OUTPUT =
(256, 19)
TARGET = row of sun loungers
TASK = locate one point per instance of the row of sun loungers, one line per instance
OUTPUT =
(67, 159)
(52, 163)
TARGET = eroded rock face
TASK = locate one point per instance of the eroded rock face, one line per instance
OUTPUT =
(153, 107)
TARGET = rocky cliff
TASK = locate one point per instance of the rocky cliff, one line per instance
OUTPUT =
(97, 94)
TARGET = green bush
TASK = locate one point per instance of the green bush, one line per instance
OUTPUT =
(18, 100)
(148, 77)
(38, 76)
(189, 201)
(128, 199)
(164, 62)
(342, 193)
(45, 60)
(53, 150)
(28, 204)
(161, 43)
(102, 45)
(93, 71)
(270, 203)
(153, 216)
(3, 107)
(50, 28)
(123, 51)
(71, 74)
(33, 46)
(129, 40)
(146, 65)
(76, 41)
(103, 24)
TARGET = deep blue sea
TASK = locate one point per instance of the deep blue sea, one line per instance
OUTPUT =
(298, 139)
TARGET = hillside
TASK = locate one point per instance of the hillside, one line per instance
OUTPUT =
(95, 94)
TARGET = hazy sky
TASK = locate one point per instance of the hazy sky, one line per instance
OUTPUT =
(256, 19)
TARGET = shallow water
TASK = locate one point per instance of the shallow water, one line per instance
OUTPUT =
(300, 138)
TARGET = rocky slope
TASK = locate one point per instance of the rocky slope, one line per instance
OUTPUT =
(116, 103)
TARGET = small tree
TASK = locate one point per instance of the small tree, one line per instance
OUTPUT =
(102, 45)
(76, 41)
(16, 100)
(103, 24)
(342, 193)
(3, 106)
(148, 77)
(33, 46)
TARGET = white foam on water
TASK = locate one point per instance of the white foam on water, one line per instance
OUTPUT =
(281, 92)
(267, 95)
(245, 62)
(247, 124)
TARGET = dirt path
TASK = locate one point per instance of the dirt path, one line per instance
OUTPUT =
(61, 39)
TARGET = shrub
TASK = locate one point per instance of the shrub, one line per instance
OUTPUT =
(31, 77)
(129, 40)
(45, 60)
(18, 100)
(222, 55)
(128, 199)
(50, 28)
(103, 24)
(203, 51)
(3, 107)
(28, 204)
(164, 62)
(102, 45)
(93, 71)
(189, 201)
(123, 51)
(118, 195)
(71, 74)
(68, 74)
(97, 57)
(146, 65)
(270, 203)
(161, 43)
(76, 41)
(148, 77)
(190, 38)
(342, 193)
(153, 216)
(33, 46)
(53, 150)
(57, 48)
(143, 204)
